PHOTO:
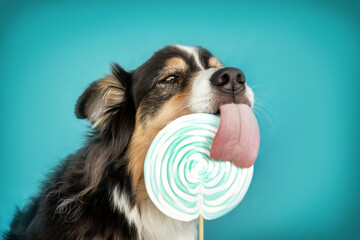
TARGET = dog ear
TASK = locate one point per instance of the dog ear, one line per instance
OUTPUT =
(108, 104)
(103, 98)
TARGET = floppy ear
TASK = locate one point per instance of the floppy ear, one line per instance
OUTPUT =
(108, 104)
(103, 98)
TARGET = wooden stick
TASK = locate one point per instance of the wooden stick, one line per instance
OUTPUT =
(201, 227)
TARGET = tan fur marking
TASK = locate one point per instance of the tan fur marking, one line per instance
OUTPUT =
(109, 92)
(145, 133)
(172, 65)
(177, 63)
(215, 63)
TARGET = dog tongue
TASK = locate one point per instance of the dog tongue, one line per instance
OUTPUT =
(238, 137)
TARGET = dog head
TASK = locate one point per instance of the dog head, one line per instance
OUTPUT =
(128, 109)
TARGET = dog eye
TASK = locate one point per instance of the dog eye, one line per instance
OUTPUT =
(170, 79)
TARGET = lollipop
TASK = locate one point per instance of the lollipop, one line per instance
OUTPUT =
(183, 181)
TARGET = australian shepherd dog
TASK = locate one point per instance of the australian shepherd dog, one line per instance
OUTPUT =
(99, 191)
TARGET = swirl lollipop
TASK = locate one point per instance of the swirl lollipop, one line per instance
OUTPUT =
(183, 181)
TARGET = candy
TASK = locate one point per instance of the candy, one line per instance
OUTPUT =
(183, 181)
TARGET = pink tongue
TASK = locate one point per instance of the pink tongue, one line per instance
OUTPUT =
(238, 137)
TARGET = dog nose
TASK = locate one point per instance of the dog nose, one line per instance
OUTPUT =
(228, 80)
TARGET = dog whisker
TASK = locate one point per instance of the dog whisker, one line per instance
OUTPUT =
(255, 86)
(262, 113)
(266, 105)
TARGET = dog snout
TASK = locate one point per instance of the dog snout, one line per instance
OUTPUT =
(228, 80)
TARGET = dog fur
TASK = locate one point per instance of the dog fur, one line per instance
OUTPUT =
(99, 192)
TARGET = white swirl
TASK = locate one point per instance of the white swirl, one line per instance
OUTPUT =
(183, 181)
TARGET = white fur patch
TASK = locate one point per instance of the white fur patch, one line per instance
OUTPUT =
(151, 223)
(193, 51)
(202, 92)
(121, 203)
(250, 95)
(157, 226)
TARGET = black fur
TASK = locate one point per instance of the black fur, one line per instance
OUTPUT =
(75, 201)
(90, 214)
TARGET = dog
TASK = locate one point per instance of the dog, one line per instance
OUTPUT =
(99, 192)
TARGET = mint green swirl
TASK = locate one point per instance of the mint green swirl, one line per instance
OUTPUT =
(183, 181)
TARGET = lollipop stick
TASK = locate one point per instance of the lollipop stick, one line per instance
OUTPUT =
(201, 227)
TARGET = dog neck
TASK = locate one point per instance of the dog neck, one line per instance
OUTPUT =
(138, 148)
(166, 228)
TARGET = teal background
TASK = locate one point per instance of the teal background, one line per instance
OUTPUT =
(301, 57)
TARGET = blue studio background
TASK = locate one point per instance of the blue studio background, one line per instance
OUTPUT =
(301, 57)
